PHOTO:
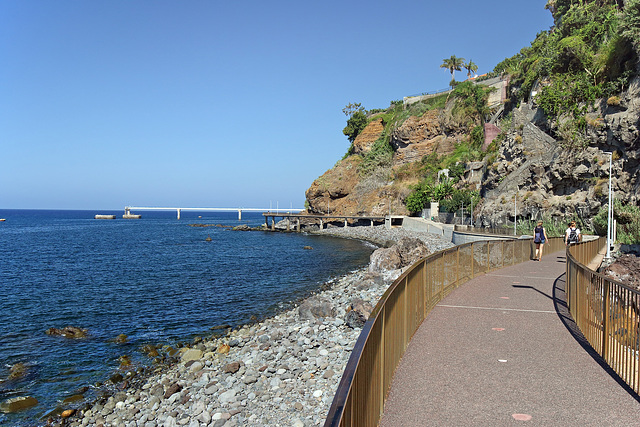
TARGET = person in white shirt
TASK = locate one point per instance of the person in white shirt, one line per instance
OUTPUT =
(572, 235)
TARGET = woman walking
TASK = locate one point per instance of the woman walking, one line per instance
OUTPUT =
(572, 235)
(539, 238)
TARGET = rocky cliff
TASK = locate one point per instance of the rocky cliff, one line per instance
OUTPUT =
(534, 164)
(548, 177)
(345, 190)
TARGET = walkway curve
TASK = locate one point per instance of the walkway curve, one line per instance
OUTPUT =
(502, 350)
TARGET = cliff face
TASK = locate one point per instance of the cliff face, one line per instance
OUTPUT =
(533, 163)
(345, 190)
(548, 178)
(420, 136)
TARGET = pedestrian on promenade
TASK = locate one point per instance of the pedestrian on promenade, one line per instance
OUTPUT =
(572, 234)
(539, 238)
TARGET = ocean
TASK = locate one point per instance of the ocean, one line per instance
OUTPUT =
(155, 279)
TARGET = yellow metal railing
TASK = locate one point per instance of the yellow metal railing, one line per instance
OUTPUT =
(606, 312)
(363, 389)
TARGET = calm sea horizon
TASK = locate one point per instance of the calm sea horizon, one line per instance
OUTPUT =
(155, 279)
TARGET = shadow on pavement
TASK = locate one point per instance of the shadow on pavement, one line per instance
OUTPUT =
(531, 287)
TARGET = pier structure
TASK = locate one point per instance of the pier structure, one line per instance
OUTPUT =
(128, 209)
(272, 215)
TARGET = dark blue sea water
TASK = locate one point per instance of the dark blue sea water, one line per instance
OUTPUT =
(155, 279)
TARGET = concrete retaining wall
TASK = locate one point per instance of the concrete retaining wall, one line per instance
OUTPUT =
(460, 238)
(446, 231)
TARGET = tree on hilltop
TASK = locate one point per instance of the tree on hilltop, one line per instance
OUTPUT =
(452, 64)
(471, 67)
(351, 108)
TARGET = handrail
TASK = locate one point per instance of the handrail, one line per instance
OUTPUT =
(606, 311)
(431, 92)
(359, 399)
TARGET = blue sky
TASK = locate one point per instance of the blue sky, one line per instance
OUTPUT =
(215, 104)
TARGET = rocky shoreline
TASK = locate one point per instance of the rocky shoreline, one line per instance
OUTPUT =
(282, 371)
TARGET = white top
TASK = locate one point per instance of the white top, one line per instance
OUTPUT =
(566, 233)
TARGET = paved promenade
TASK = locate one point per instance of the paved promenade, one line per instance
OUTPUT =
(502, 350)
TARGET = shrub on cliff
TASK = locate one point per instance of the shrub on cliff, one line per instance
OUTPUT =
(589, 54)
(471, 102)
(418, 199)
(355, 124)
(628, 222)
(379, 156)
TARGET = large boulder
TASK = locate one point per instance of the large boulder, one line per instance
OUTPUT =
(411, 250)
(358, 314)
(384, 259)
(191, 354)
(404, 253)
(315, 308)
(625, 269)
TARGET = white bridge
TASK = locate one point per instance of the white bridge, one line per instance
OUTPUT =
(128, 209)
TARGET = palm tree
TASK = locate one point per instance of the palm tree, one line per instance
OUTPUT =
(452, 64)
(471, 67)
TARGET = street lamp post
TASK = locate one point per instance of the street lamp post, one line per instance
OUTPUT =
(610, 212)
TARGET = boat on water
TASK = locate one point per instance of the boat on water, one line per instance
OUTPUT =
(99, 216)
(3, 219)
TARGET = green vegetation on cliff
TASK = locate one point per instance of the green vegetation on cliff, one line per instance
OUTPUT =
(628, 222)
(470, 110)
(573, 83)
(589, 54)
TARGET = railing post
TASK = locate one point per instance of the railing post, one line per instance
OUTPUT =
(406, 313)
(457, 266)
(426, 289)
(486, 269)
(605, 323)
(383, 392)
(473, 260)
(567, 284)
(442, 276)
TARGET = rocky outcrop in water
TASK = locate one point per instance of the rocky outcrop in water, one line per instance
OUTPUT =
(16, 404)
(72, 332)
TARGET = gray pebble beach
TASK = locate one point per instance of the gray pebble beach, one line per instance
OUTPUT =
(283, 371)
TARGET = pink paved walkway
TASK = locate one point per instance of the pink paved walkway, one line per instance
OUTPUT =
(501, 350)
